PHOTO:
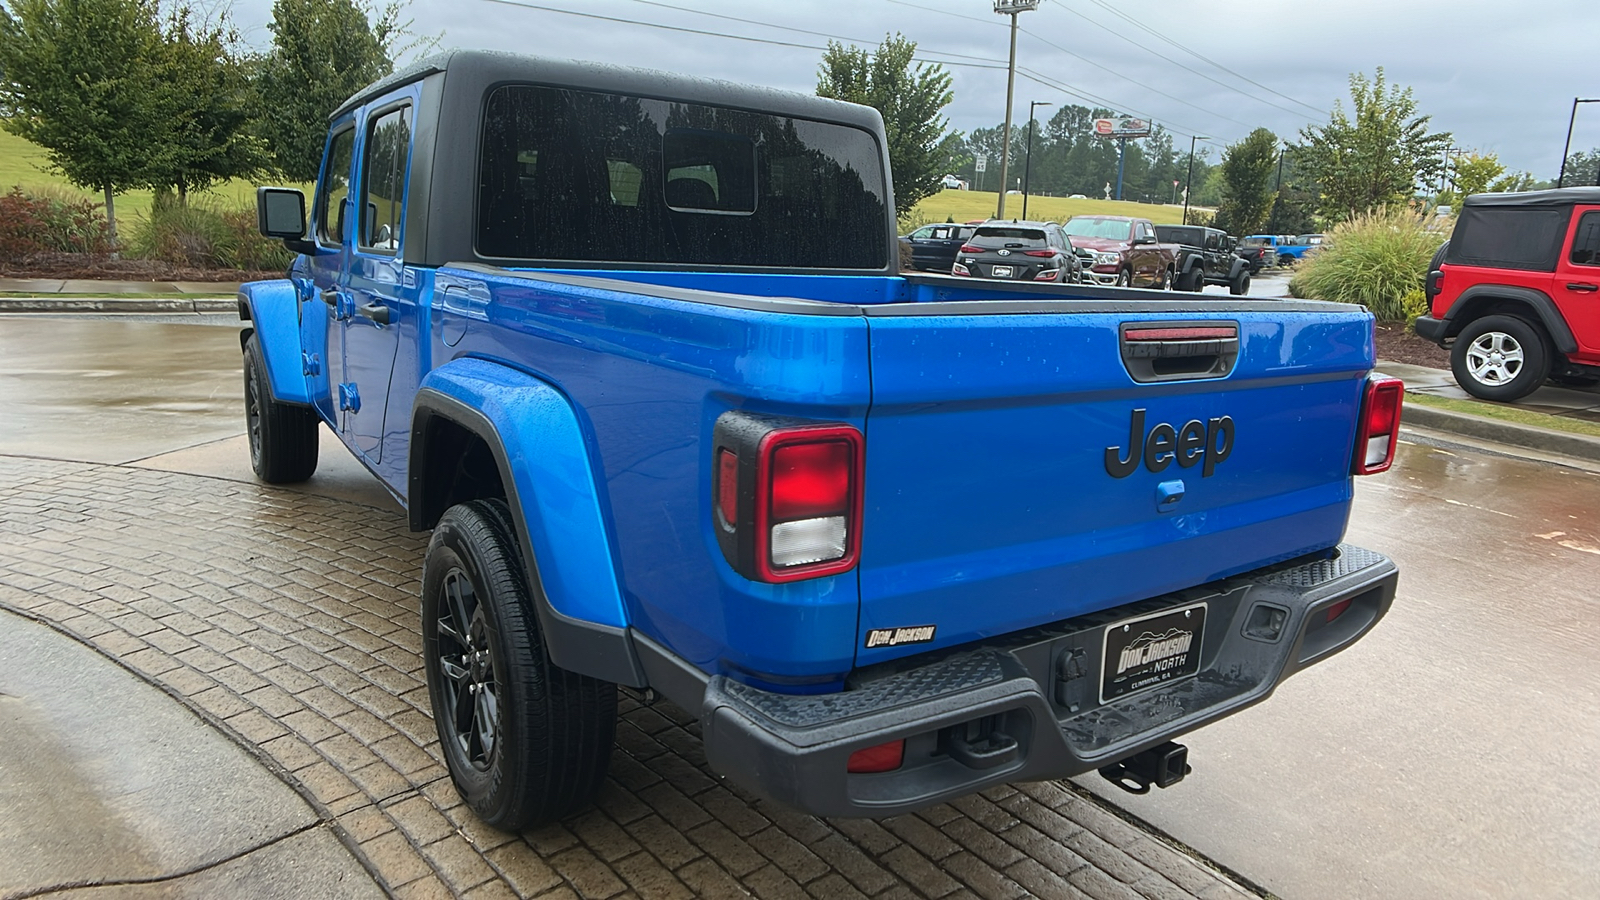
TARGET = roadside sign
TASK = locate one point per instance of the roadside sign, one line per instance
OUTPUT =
(1015, 6)
(1122, 128)
(982, 164)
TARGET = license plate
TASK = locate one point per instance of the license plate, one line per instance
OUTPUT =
(1150, 650)
(1000, 271)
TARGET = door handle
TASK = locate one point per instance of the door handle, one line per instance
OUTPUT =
(376, 312)
(1583, 287)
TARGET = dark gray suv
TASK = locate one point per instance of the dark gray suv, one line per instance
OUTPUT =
(1019, 251)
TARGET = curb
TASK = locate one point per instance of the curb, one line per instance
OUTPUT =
(1530, 436)
(118, 304)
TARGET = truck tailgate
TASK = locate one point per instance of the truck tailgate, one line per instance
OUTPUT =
(1001, 491)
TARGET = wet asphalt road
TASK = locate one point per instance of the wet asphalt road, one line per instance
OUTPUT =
(1449, 754)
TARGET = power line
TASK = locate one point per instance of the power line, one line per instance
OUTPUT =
(1143, 27)
(1125, 39)
(1102, 101)
(735, 37)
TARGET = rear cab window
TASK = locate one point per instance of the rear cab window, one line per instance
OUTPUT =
(584, 177)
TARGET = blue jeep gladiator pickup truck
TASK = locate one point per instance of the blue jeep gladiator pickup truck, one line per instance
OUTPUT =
(634, 348)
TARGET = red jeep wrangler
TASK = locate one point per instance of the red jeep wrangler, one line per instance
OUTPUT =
(1515, 292)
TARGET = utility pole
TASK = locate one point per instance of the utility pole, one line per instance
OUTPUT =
(1027, 165)
(1565, 148)
(1188, 190)
(1009, 8)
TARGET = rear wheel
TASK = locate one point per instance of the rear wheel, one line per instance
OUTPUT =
(283, 438)
(526, 742)
(1240, 284)
(1500, 358)
(1195, 280)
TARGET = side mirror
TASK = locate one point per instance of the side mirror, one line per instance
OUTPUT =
(281, 212)
(1144, 239)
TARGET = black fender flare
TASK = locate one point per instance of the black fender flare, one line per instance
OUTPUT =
(601, 651)
(1484, 296)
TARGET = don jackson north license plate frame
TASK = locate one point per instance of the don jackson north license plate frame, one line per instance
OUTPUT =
(1127, 662)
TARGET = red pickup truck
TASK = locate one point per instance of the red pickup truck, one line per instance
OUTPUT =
(1126, 251)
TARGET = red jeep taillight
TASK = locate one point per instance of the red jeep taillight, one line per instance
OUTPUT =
(1380, 425)
(788, 497)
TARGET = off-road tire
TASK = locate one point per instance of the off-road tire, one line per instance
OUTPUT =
(1195, 281)
(1522, 367)
(1239, 285)
(282, 437)
(541, 752)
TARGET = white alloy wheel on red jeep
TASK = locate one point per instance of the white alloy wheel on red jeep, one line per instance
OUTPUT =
(1500, 358)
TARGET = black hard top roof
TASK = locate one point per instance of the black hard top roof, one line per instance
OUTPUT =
(1562, 197)
(490, 67)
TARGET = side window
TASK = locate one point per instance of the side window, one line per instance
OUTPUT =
(335, 188)
(923, 233)
(383, 180)
(1586, 241)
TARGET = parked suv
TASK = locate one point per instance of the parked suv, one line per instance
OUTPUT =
(1019, 251)
(1515, 293)
(933, 247)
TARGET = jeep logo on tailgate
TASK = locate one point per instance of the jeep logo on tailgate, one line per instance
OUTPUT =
(1210, 441)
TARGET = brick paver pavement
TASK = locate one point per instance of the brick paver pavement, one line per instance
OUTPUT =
(289, 621)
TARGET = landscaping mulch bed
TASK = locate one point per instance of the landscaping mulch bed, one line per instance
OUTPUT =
(1397, 343)
(78, 265)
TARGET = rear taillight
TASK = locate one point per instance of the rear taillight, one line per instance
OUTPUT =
(882, 758)
(1380, 425)
(1047, 275)
(970, 248)
(959, 269)
(1337, 610)
(1044, 253)
(788, 496)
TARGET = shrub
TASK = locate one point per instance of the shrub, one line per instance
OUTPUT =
(1375, 260)
(205, 236)
(50, 220)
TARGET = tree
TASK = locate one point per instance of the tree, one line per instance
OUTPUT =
(910, 98)
(1376, 158)
(1582, 169)
(323, 52)
(1247, 189)
(206, 104)
(1474, 173)
(80, 78)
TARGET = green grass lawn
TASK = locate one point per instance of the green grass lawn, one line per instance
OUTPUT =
(24, 164)
(964, 206)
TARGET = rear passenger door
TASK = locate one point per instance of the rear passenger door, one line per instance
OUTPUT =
(382, 305)
(1576, 289)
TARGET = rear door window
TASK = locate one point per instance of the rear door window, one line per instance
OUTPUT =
(383, 180)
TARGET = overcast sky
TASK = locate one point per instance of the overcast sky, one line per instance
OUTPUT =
(1500, 76)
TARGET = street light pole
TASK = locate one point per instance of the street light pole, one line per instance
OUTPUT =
(1027, 164)
(1009, 8)
(1567, 147)
(1188, 184)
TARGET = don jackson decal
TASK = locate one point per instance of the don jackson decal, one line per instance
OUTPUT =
(895, 637)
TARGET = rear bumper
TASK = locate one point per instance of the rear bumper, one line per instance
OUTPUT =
(1431, 329)
(1040, 689)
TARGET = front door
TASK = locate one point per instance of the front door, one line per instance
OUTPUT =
(371, 326)
(1576, 288)
(321, 329)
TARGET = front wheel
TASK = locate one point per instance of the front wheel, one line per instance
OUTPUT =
(1125, 278)
(526, 742)
(283, 438)
(1500, 358)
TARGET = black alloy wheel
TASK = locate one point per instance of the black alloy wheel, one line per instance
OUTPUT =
(526, 742)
